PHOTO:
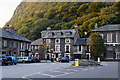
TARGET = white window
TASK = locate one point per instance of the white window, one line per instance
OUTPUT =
(48, 41)
(5, 43)
(109, 37)
(14, 44)
(68, 33)
(67, 40)
(27, 46)
(21, 45)
(101, 35)
(57, 48)
(67, 48)
(117, 37)
(57, 40)
(32, 48)
(59, 33)
(36, 47)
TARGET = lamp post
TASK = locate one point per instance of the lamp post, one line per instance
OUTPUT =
(85, 33)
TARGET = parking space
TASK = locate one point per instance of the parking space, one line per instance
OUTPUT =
(59, 72)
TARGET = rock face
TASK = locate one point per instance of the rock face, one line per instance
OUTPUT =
(30, 18)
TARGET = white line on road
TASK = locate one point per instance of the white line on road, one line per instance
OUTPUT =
(99, 67)
(63, 74)
(84, 69)
(71, 70)
(46, 74)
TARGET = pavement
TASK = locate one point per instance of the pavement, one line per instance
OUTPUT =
(60, 70)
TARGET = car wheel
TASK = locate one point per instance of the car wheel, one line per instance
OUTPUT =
(6, 64)
(11, 63)
(15, 63)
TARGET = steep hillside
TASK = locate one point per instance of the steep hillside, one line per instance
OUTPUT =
(30, 18)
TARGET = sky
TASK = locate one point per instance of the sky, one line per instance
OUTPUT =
(7, 8)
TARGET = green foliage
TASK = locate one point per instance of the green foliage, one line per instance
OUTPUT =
(96, 45)
(31, 18)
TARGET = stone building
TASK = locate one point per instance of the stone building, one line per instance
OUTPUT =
(38, 48)
(13, 43)
(61, 42)
(111, 36)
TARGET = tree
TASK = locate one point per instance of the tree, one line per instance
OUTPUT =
(96, 45)
(42, 50)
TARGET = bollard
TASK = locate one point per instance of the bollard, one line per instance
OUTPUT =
(99, 59)
(76, 62)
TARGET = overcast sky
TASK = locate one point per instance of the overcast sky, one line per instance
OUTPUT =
(7, 8)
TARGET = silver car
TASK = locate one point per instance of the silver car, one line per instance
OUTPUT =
(24, 59)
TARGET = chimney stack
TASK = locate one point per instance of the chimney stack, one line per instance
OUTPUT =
(11, 29)
(76, 28)
(96, 25)
(48, 28)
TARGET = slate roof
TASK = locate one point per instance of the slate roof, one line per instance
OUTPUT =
(111, 27)
(81, 41)
(63, 34)
(10, 35)
(37, 42)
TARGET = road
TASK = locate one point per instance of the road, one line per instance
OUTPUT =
(60, 70)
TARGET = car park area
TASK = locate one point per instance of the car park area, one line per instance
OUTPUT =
(60, 70)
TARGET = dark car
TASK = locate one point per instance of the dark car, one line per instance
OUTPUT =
(7, 60)
(64, 59)
(35, 59)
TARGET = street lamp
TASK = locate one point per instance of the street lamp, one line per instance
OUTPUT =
(85, 33)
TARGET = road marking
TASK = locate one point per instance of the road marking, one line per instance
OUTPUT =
(84, 69)
(71, 70)
(99, 67)
(92, 68)
(46, 74)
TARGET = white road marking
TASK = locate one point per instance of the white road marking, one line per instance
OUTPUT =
(63, 74)
(99, 67)
(46, 74)
(92, 68)
(84, 69)
(71, 70)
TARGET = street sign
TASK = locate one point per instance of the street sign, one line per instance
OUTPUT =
(76, 62)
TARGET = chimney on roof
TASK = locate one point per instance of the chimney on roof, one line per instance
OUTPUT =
(48, 28)
(76, 28)
(11, 29)
(96, 25)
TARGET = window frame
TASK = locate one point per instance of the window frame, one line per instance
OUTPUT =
(5, 43)
(67, 39)
(56, 41)
(109, 36)
(66, 47)
(57, 48)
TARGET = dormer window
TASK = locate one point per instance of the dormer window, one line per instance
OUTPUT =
(59, 33)
(50, 34)
(68, 33)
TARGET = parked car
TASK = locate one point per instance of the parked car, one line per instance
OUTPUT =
(35, 59)
(3, 60)
(12, 60)
(24, 59)
(64, 59)
(7, 60)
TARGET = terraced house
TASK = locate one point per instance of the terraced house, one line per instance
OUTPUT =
(13, 43)
(111, 36)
